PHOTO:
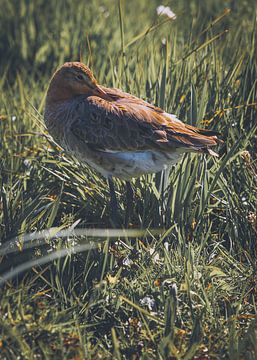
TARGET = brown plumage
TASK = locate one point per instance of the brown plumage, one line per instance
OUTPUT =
(116, 133)
(99, 124)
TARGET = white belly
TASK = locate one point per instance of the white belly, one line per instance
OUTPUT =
(126, 165)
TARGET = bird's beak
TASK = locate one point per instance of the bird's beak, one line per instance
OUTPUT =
(101, 93)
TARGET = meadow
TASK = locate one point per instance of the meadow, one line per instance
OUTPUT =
(181, 282)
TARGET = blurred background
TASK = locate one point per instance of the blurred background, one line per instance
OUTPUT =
(38, 36)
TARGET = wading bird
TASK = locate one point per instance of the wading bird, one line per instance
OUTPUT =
(116, 133)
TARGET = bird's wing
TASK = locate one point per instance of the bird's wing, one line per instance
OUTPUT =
(131, 124)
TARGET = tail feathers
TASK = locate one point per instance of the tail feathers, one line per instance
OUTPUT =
(214, 134)
(208, 133)
(188, 138)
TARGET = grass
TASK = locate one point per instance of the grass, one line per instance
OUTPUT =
(182, 284)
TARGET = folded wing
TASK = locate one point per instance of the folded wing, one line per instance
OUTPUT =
(126, 123)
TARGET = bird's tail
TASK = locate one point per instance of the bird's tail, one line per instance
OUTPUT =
(207, 138)
(211, 133)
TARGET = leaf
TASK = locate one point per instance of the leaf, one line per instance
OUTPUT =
(193, 108)
(217, 272)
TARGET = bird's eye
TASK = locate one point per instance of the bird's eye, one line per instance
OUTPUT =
(79, 77)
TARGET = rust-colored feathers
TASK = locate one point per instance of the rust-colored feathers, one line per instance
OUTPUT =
(131, 124)
(111, 121)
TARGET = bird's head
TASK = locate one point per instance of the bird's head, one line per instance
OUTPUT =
(73, 79)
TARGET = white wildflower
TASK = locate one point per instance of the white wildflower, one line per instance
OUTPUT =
(166, 10)
(127, 261)
(27, 163)
(244, 201)
(72, 241)
(148, 301)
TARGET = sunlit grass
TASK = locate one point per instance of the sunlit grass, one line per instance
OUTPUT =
(180, 282)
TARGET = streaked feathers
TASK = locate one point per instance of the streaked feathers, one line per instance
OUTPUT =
(116, 132)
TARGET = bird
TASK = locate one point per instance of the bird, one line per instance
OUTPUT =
(114, 132)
